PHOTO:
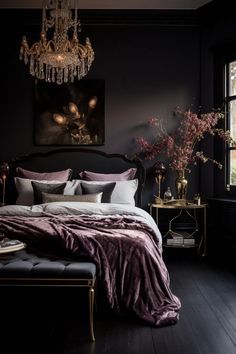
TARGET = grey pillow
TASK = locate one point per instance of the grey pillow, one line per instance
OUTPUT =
(106, 190)
(90, 198)
(25, 192)
(38, 188)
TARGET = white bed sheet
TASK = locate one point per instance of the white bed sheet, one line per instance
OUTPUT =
(80, 208)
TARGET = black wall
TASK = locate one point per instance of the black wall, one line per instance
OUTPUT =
(150, 66)
(216, 32)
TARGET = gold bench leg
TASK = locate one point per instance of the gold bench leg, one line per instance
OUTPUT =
(91, 305)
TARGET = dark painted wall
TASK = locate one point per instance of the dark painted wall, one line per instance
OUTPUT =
(216, 31)
(148, 71)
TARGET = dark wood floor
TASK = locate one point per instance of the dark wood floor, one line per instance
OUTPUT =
(207, 325)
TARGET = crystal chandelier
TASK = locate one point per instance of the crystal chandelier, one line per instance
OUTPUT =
(60, 58)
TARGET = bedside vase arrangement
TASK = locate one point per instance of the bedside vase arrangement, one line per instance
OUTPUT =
(181, 184)
(180, 146)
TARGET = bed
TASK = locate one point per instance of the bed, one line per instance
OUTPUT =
(98, 221)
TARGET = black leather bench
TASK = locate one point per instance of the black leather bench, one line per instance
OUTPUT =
(26, 269)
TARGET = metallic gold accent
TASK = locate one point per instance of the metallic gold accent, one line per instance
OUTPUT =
(158, 200)
(159, 171)
(181, 184)
(174, 233)
(176, 205)
(91, 306)
(173, 202)
(203, 241)
(44, 282)
(60, 58)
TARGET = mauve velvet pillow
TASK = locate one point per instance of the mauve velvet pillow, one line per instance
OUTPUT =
(106, 190)
(47, 188)
(89, 198)
(61, 176)
(123, 176)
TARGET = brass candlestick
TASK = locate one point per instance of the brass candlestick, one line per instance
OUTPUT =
(159, 172)
(4, 170)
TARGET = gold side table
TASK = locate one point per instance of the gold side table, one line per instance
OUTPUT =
(178, 239)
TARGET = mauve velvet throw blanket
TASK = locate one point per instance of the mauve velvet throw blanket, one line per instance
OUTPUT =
(126, 252)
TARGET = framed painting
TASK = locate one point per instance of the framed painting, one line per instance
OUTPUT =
(70, 114)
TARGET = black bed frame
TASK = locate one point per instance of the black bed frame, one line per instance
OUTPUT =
(54, 160)
(77, 159)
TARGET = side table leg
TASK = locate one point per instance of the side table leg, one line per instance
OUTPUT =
(203, 242)
(157, 216)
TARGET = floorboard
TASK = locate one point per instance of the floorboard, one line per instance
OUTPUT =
(207, 324)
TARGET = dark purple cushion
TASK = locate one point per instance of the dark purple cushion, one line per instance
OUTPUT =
(106, 190)
(47, 188)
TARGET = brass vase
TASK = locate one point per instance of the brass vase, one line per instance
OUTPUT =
(181, 184)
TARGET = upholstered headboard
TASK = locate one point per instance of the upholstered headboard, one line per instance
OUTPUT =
(78, 159)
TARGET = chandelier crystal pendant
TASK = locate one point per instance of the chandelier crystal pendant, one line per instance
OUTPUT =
(58, 56)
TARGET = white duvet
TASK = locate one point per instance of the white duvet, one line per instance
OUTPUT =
(80, 208)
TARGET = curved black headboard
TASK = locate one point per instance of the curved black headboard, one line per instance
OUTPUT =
(77, 159)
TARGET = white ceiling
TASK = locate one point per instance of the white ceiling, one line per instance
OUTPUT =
(114, 4)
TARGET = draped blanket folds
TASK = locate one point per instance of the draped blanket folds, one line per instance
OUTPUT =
(126, 251)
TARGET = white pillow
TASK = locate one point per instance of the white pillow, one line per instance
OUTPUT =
(25, 192)
(72, 186)
(123, 193)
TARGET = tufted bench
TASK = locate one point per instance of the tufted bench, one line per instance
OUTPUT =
(26, 269)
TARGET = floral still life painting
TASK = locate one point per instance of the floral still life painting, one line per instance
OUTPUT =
(70, 114)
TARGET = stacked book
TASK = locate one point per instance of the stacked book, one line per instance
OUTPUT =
(8, 245)
(183, 239)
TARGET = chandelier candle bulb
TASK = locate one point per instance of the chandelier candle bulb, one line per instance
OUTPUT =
(61, 58)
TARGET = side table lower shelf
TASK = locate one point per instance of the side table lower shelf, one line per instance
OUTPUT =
(184, 245)
(175, 238)
(181, 246)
